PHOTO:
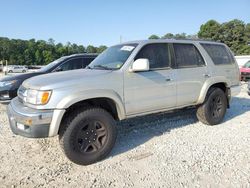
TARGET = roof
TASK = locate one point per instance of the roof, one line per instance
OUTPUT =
(83, 54)
(172, 40)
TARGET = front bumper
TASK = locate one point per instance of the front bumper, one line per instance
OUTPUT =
(29, 122)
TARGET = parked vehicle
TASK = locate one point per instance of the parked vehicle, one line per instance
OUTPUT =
(245, 72)
(126, 80)
(15, 69)
(9, 85)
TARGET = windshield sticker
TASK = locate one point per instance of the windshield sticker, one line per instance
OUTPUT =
(127, 48)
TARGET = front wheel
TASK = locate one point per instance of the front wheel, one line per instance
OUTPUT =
(88, 136)
(213, 110)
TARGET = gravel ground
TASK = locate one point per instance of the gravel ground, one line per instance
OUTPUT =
(164, 150)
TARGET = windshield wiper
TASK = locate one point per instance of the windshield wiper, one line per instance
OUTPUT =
(103, 67)
(88, 67)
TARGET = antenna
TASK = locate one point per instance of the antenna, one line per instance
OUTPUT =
(120, 39)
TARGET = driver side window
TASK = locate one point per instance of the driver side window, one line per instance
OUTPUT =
(157, 54)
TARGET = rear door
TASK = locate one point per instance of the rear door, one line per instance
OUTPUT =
(191, 73)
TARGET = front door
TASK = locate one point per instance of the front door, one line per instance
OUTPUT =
(151, 90)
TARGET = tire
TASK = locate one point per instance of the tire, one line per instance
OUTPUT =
(213, 110)
(88, 135)
(23, 71)
(10, 71)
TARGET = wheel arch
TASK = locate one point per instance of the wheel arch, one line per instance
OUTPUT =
(222, 84)
(108, 100)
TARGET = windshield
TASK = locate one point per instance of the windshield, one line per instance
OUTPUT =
(247, 65)
(113, 58)
(52, 64)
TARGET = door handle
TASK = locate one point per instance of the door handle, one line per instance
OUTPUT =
(207, 75)
(169, 79)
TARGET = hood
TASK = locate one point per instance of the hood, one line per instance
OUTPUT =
(245, 69)
(62, 79)
(20, 77)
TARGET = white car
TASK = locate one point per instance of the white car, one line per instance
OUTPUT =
(15, 69)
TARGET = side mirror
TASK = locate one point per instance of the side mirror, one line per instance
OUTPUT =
(140, 65)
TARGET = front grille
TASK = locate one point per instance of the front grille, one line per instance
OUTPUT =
(22, 93)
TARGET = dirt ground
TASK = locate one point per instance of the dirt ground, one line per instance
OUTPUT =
(164, 150)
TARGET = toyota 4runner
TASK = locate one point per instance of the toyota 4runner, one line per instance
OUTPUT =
(127, 80)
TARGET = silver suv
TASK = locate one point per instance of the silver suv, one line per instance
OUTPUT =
(127, 80)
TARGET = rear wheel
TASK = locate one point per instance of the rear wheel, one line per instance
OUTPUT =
(10, 71)
(213, 110)
(88, 136)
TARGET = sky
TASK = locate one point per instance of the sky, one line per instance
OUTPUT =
(105, 22)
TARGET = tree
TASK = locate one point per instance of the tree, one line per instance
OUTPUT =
(32, 52)
(51, 42)
(234, 33)
(168, 36)
(91, 49)
(101, 48)
(153, 37)
(180, 36)
(209, 30)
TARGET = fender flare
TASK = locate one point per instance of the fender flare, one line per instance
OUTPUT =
(73, 98)
(208, 83)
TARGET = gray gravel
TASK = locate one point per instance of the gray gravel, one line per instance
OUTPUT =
(164, 150)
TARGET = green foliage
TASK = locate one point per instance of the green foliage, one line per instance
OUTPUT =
(32, 52)
(168, 36)
(176, 36)
(91, 49)
(209, 30)
(153, 37)
(235, 34)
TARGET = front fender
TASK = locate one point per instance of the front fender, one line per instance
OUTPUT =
(208, 83)
(73, 98)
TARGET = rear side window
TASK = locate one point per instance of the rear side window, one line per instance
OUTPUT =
(157, 54)
(187, 56)
(218, 53)
(71, 64)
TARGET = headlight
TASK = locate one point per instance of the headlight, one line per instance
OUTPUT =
(7, 83)
(37, 97)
